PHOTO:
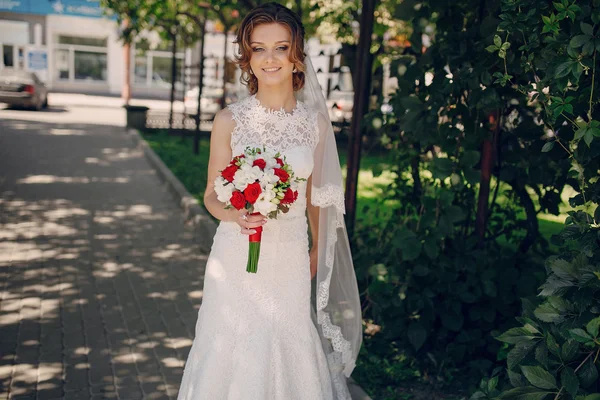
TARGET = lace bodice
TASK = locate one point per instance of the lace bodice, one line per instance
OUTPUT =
(277, 129)
(295, 135)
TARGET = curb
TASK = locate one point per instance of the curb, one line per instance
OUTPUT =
(194, 215)
(204, 226)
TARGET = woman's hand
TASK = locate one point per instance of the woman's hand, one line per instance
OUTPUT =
(248, 221)
(313, 262)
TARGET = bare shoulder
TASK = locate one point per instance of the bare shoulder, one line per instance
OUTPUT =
(224, 121)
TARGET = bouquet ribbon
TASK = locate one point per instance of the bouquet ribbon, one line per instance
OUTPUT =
(254, 249)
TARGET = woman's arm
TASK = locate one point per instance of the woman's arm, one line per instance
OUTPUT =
(313, 223)
(220, 156)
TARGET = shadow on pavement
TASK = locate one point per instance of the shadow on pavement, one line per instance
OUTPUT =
(101, 280)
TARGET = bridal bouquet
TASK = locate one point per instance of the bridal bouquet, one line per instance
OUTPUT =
(260, 181)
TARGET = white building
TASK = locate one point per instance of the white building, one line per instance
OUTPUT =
(73, 47)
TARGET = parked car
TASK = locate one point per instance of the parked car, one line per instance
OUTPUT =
(340, 105)
(23, 89)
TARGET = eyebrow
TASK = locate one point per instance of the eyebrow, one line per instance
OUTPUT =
(281, 41)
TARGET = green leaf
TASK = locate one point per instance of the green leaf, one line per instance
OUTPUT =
(492, 48)
(541, 354)
(569, 380)
(587, 29)
(588, 374)
(569, 108)
(579, 133)
(559, 7)
(432, 248)
(594, 325)
(516, 335)
(516, 379)
(547, 147)
(552, 345)
(589, 137)
(519, 352)
(562, 268)
(580, 335)
(588, 48)
(546, 20)
(539, 377)
(470, 158)
(569, 350)
(492, 383)
(563, 69)
(417, 334)
(547, 313)
(497, 41)
(524, 393)
(579, 41)
(505, 46)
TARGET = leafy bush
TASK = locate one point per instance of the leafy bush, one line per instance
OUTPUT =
(555, 353)
(446, 271)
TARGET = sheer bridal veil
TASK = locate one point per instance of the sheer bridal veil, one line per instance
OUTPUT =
(336, 301)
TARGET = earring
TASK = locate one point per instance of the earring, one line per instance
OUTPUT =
(294, 70)
(251, 73)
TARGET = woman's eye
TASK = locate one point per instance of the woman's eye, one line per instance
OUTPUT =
(282, 48)
(257, 49)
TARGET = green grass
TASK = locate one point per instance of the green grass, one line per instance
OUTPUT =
(177, 154)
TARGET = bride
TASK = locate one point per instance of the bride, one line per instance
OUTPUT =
(269, 335)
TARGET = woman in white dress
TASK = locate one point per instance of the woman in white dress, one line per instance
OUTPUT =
(260, 336)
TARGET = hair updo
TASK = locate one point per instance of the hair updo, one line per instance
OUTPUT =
(267, 14)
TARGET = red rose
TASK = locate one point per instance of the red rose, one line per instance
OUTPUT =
(279, 161)
(229, 172)
(288, 197)
(238, 200)
(260, 163)
(252, 192)
(283, 176)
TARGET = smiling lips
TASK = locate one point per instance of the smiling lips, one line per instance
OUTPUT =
(271, 69)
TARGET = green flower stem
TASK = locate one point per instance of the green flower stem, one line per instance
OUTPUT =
(253, 255)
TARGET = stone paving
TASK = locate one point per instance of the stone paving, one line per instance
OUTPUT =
(100, 281)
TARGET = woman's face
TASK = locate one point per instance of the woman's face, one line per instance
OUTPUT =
(270, 62)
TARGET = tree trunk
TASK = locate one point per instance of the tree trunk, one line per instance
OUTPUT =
(362, 85)
(173, 77)
(223, 102)
(487, 163)
(200, 84)
(126, 91)
(531, 215)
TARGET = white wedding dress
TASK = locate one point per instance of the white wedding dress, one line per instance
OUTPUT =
(255, 339)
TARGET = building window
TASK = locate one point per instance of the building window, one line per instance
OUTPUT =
(153, 67)
(8, 55)
(81, 59)
(90, 66)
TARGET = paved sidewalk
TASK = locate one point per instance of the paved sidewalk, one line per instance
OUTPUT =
(100, 282)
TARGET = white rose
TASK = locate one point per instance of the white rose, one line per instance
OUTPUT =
(268, 177)
(264, 206)
(240, 178)
(223, 191)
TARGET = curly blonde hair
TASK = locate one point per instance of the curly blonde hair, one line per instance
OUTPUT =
(267, 14)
